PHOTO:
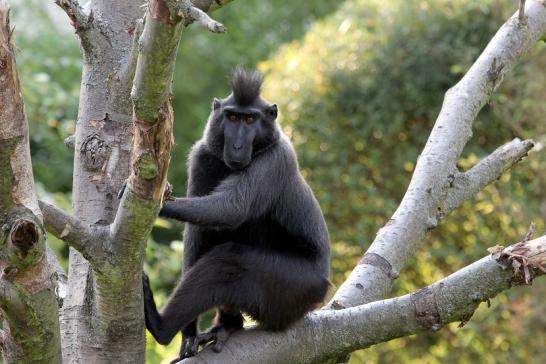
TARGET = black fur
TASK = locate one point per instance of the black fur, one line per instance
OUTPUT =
(246, 86)
(255, 238)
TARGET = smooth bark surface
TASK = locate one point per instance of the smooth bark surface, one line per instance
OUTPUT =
(123, 133)
(433, 190)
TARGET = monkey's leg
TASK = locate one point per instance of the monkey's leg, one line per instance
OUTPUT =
(278, 289)
(207, 284)
(154, 321)
(151, 315)
(275, 289)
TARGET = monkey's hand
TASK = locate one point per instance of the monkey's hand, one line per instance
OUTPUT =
(172, 210)
(168, 193)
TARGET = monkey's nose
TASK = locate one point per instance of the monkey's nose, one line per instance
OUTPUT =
(237, 146)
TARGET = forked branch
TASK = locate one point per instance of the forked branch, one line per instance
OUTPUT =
(90, 241)
(435, 169)
(465, 185)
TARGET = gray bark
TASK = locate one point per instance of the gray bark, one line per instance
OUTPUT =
(28, 277)
(437, 187)
(102, 319)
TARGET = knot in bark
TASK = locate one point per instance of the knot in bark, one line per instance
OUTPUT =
(24, 235)
(94, 152)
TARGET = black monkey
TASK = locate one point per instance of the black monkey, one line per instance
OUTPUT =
(255, 238)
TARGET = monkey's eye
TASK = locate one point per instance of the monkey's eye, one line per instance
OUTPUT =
(232, 117)
(249, 119)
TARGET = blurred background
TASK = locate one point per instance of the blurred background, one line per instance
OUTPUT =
(359, 84)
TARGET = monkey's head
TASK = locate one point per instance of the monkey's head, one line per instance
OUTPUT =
(243, 124)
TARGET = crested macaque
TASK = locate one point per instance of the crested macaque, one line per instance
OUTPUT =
(255, 239)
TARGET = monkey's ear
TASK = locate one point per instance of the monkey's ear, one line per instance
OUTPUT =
(216, 103)
(272, 111)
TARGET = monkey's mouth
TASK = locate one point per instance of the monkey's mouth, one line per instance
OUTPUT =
(236, 165)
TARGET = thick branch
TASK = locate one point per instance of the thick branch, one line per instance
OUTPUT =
(326, 333)
(82, 23)
(27, 297)
(418, 211)
(102, 316)
(88, 240)
(152, 119)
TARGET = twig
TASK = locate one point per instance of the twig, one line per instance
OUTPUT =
(530, 232)
(72, 8)
(465, 185)
(521, 12)
(192, 13)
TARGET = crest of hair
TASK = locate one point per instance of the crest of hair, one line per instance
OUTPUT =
(246, 85)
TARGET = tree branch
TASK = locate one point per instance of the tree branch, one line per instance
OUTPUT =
(127, 73)
(326, 333)
(27, 299)
(88, 240)
(190, 13)
(467, 184)
(152, 119)
(418, 211)
(521, 12)
(82, 23)
(72, 8)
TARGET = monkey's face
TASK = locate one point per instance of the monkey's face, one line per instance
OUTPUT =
(241, 127)
(245, 130)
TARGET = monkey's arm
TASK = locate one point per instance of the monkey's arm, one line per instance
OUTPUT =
(240, 196)
(227, 207)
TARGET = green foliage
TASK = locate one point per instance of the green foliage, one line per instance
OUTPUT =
(358, 96)
(49, 70)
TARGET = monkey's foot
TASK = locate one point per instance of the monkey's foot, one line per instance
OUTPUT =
(218, 336)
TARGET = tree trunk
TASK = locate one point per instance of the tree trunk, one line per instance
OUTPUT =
(28, 278)
(119, 136)
(102, 318)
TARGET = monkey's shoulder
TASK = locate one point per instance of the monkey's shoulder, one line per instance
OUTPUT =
(205, 171)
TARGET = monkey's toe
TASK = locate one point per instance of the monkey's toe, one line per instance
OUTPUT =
(188, 348)
(218, 336)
